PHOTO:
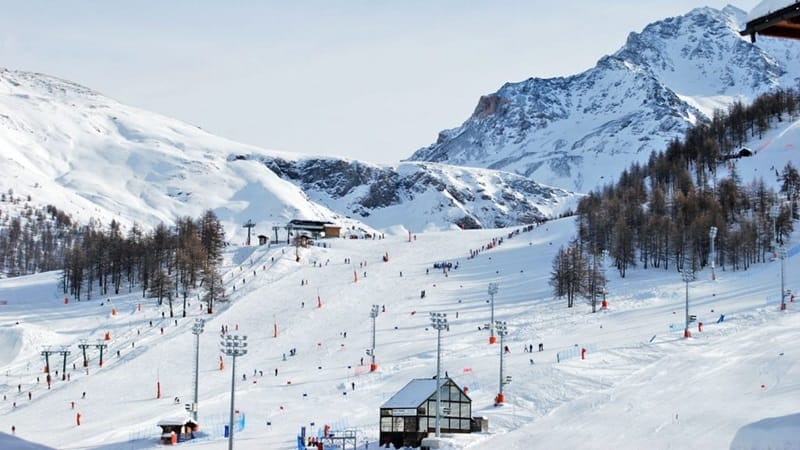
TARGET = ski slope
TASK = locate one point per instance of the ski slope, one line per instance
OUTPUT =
(642, 385)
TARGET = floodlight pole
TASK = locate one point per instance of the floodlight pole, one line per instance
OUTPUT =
(712, 234)
(492, 290)
(439, 322)
(603, 255)
(774, 213)
(502, 331)
(687, 276)
(233, 346)
(594, 283)
(197, 329)
(782, 253)
(373, 313)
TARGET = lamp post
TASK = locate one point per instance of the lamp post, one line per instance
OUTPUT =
(492, 291)
(373, 313)
(712, 234)
(197, 329)
(502, 331)
(439, 323)
(233, 346)
(687, 276)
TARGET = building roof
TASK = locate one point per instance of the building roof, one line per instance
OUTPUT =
(415, 393)
(176, 421)
(777, 18)
(310, 223)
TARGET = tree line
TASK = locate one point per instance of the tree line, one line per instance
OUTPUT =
(166, 263)
(32, 239)
(659, 215)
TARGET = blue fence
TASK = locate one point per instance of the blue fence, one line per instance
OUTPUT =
(574, 352)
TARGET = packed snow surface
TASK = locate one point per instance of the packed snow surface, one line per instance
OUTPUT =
(642, 385)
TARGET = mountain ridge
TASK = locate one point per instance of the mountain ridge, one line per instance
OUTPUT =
(98, 159)
(574, 131)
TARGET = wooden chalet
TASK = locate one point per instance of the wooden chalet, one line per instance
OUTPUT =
(408, 417)
(777, 18)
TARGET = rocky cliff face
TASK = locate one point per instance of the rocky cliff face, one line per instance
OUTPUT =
(577, 132)
(422, 193)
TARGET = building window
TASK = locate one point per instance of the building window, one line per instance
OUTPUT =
(386, 423)
(455, 394)
(431, 407)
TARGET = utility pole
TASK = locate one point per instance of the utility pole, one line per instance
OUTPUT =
(439, 323)
(249, 225)
(492, 290)
(233, 346)
(373, 313)
(197, 329)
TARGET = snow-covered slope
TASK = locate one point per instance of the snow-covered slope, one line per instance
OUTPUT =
(96, 158)
(93, 157)
(642, 384)
(578, 132)
(732, 383)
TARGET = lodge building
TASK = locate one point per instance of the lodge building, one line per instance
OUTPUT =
(410, 414)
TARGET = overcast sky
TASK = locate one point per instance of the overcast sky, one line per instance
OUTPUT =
(370, 80)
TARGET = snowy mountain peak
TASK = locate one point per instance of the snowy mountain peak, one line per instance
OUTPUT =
(96, 158)
(577, 131)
